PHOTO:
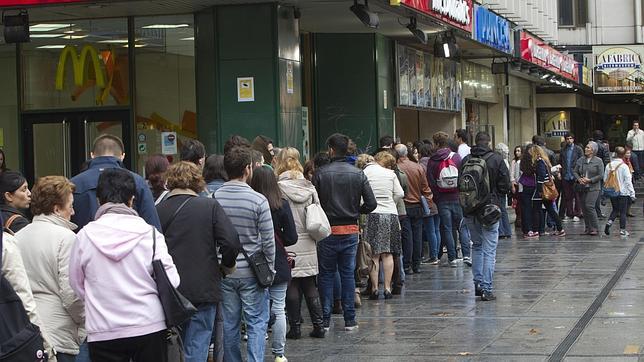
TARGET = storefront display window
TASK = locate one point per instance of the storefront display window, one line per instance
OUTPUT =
(78, 64)
(165, 85)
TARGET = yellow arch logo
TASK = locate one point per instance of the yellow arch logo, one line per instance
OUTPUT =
(78, 65)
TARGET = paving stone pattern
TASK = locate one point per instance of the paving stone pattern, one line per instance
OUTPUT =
(543, 288)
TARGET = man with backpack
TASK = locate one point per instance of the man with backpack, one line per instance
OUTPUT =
(442, 174)
(483, 179)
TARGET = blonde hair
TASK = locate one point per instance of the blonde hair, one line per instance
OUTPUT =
(288, 160)
(185, 175)
(363, 160)
(385, 159)
(539, 152)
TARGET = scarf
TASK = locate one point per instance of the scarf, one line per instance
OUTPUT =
(112, 208)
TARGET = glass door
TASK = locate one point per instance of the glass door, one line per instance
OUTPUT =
(61, 143)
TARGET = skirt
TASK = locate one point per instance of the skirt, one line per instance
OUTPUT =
(382, 232)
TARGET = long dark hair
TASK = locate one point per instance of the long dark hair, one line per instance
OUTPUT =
(265, 183)
(10, 181)
(527, 166)
(514, 153)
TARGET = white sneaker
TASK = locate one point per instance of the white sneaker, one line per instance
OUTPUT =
(281, 358)
(624, 233)
(467, 260)
(575, 219)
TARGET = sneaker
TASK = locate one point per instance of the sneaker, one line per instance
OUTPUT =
(575, 219)
(487, 296)
(453, 263)
(433, 261)
(326, 324)
(350, 325)
(624, 233)
(477, 290)
(388, 294)
(607, 229)
(559, 233)
(467, 260)
(245, 337)
(531, 235)
(280, 359)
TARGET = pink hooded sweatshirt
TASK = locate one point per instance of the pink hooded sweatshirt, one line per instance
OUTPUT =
(110, 269)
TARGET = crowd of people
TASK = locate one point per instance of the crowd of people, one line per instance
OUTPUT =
(345, 224)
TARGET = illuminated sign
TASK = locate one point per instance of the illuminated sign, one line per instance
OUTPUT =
(492, 30)
(618, 69)
(457, 13)
(87, 57)
(536, 51)
(9, 3)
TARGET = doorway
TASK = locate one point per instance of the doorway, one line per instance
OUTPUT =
(59, 143)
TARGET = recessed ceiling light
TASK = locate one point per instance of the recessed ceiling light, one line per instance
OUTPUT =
(166, 26)
(189, 38)
(48, 27)
(74, 37)
(46, 35)
(114, 41)
(51, 47)
(137, 45)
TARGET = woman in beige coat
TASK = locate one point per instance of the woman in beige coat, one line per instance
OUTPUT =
(300, 194)
(45, 246)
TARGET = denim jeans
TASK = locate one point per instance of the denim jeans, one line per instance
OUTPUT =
(337, 287)
(278, 298)
(620, 206)
(407, 240)
(464, 237)
(196, 333)
(451, 215)
(83, 354)
(415, 217)
(504, 228)
(338, 253)
(431, 228)
(484, 243)
(244, 295)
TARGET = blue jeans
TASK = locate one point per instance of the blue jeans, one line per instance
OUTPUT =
(338, 253)
(278, 298)
(464, 237)
(243, 295)
(432, 232)
(504, 228)
(407, 240)
(484, 243)
(83, 354)
(337, 287)
(451, 215)
(197, 332)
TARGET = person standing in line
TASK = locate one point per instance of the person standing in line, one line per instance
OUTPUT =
(626, 191)
(589, 171)
(214, 173)
(14, 197)
(196, 231)
(250, 214)
(193, 151)
(265, 183)
(505, 229)
(45, 245)
(515, 175)
(484, 224)
(528, 185)
(461, 137)
(570, 153)
(341, 188)
(110, 268)
(542, 168)
(300, 193)
(382, 229)
(107, 153)
(264, 145)
(155, 168)
(635, 136)
(431, 222)
(604, 154)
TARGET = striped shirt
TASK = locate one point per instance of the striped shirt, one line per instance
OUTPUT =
(250, 214)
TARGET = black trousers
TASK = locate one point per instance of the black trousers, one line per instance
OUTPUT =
(620, 207)
(297, 287)
(147, 348)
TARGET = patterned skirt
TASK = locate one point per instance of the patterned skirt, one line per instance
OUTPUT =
(382, 232)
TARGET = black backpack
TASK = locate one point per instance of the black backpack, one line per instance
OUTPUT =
(474, 184)
(20, 340)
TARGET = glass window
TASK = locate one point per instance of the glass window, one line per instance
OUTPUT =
(165, 83)
(9, 105)
(566, 13)
(83, 63)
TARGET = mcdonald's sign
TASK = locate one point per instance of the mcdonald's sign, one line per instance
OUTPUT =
(88, 52)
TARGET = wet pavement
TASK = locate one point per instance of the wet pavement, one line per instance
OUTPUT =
(576, 298)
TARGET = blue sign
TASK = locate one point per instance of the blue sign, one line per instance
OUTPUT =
(492, 30)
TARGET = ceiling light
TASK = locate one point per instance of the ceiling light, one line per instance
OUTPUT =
(367, 17)
(545, 76)
(74, 37)
(418, 34)
(137, 45)
(51, 46)
(114, 41)
(166, 26)
(47, 35)
(189, 38)
(48, 27)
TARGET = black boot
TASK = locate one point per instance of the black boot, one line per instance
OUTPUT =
(294, 332)
(315, 311)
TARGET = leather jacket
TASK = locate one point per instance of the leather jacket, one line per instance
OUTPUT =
(340, 187)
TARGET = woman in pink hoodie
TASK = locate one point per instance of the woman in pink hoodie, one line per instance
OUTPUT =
(111, 270)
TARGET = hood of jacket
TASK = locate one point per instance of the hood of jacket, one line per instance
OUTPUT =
(480, 150)
(297, 189)
(441, 154)
(115, 235)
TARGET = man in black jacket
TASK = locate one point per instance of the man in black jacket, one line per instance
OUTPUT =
(485, 237)
(570, 153)
(340, 187)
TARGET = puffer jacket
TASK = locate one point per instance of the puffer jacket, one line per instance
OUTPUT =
(45, 247)
(300, 194)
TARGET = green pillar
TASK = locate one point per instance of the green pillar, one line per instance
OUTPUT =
(354, 88)
(258, 41)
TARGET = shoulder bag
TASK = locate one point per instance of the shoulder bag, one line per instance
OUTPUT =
(258, 263)
(317, 223)
(549, 188)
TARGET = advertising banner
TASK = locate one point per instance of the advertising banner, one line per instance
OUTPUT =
(10, 3)
(536, 51)
(457, 13)
(618, 69)
(492, 30)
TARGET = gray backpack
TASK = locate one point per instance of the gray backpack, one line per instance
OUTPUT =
(474, 185)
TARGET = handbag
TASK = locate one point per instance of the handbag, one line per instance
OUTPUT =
(317, 224)
(364, 262)
(176, 308)
(550, 189)
(258, 263)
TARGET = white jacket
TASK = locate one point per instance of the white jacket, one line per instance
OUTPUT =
(637, 139)
(624, 177)
(386, 188)
(45, 246)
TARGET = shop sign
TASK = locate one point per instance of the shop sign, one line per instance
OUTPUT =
(8, 3)
(585, 75)
(457, 13)
(537, 52)
(618, 69)
(492, 30)
(88, 54)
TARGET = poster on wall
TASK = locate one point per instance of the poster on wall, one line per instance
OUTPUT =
(245, 89)
(403, 76)
(618, 69)
(420, 78)
(413, 85)
(289, 77)
(169, 143)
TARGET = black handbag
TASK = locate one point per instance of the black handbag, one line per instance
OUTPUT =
(176, 308)
(258, 263)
